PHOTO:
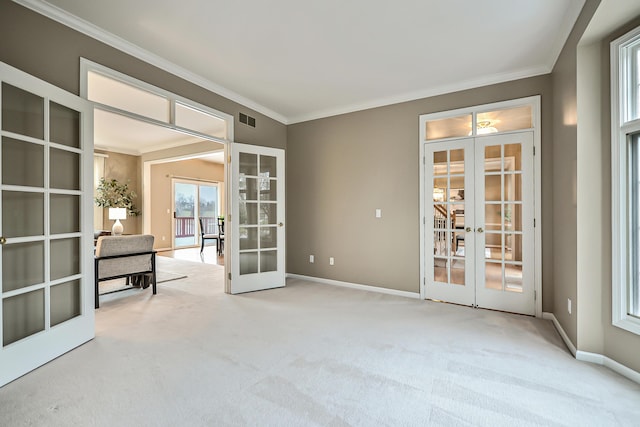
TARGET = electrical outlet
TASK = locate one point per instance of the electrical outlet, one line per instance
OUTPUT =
(378, 213)
(569, 305)
(311, 259)
(164, 238)
(331, 261)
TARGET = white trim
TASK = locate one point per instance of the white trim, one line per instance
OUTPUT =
(368, 288)
(421, 94)
(607, 362)
(95, 32)
(563, 334)
(112, 40)
(620, 246)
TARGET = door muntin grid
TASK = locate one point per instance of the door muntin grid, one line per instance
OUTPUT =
(503, 217)
(449, 204)
(41, 150)
(258, 219)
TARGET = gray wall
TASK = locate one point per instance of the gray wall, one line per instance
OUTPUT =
(564, 174)
(340, 169)
(595, 331)
(52, 51)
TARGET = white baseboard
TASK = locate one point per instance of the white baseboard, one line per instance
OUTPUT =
(414, 295)
(598, 359)
(563, 334)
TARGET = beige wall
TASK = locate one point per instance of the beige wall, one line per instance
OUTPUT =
(582, 90)
(595, 331)
(126, 169)
(51, 52)
(564, 176)
(161, 192)
(340, 169)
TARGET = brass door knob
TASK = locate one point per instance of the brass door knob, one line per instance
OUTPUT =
(3, 240)
(480, 230)
(468, 229)
(280, 224)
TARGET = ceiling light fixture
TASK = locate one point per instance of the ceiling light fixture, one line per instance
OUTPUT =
(484, 127)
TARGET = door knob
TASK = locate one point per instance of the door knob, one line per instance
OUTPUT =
(280, 224)
(468, 229)
(480, 230)
(3, 240)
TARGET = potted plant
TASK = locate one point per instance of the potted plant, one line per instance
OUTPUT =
(113, 194)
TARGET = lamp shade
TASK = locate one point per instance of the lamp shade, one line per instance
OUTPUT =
(117, 213)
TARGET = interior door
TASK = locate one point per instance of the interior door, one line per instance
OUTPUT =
(46, 205)
(255, 222)
(504, 222)
(449, 227)
(479, 222)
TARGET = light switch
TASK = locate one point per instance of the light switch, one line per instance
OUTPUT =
(378, 213)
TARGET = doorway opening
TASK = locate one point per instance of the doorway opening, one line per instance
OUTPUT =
(155, 129)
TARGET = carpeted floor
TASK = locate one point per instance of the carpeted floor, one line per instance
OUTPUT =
(313, 355)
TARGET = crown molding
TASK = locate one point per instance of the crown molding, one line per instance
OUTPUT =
(421, 94)
(95, 32)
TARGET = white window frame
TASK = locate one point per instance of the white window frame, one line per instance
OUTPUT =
(624, 106)
(87, 66)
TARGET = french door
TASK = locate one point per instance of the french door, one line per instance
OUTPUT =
(256, 219)
(46, 209)
(191, 201)
(479, 228)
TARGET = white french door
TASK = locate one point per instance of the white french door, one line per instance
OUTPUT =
(479, 228)
(255, 222)
(46, 209)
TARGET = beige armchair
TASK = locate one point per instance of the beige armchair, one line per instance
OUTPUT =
(124, 256)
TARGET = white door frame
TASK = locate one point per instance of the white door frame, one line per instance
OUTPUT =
(534, 102)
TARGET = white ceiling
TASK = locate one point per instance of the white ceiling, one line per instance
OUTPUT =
(294, 60)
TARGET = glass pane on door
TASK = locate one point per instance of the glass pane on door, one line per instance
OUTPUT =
(184, 214)
(503, 217)
(448, 189)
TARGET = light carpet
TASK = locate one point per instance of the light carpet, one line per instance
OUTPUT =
(313, 355)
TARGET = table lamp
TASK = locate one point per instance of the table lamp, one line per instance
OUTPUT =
(117, 214)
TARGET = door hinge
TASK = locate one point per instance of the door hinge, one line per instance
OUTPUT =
(424, 220)
(229, 217)
(534, 222)
(229, 160)
(229, 276)
(534, 150)
(535, 295)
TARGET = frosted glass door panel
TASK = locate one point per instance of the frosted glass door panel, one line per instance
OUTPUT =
(65, 258)
(22, 316)
(22, 163)
(65, 302)
(22, 214)
(65, 125)
(64, 169)
(65, 213)
(22, 265)
(22, 112)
